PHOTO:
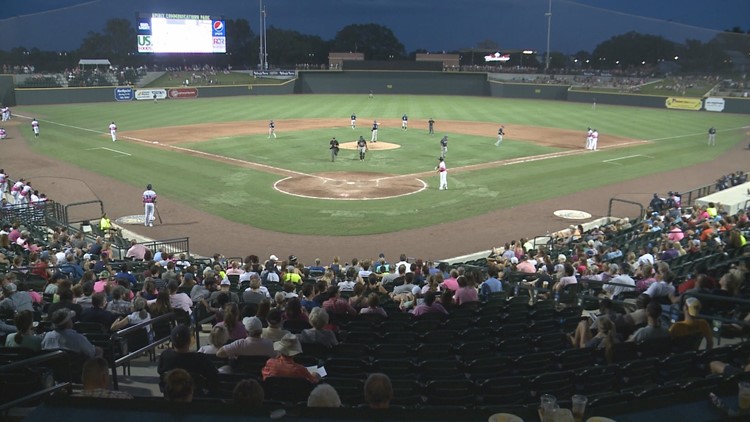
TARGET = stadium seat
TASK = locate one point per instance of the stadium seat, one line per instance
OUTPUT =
(287, 389)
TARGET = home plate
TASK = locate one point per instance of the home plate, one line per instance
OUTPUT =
(572, 214)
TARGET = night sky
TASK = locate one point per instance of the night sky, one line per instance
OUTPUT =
(433, 25)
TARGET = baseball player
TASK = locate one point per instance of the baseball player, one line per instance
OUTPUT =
(594, 139)
(500, 133)
(35, 127)
(712, 136)
(354, 121)
(15, 190)
(443, 171)
(25, 193)
(370, 94)
(361, 147)
(149, 202)
(113, 131)
(334, 148)
(3, 133)
(404, 122)
(6, 113)
(444, 146)
(588, 138)
(271, 129)
(431, 126)
(3, 182)
(374, 130)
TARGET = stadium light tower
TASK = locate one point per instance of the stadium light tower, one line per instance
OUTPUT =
(263, 45)
(549, 27)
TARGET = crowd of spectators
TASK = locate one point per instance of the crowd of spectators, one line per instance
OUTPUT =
(730, 180)
(274, 308)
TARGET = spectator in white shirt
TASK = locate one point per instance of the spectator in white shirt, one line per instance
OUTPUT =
(179, 300)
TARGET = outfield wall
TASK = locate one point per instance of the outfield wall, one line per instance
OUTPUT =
(388, 82)
(633, 100)
(529, 91)
(38, 96)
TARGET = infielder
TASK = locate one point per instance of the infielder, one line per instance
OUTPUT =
(588, 138)
(354, 121)
(334, 147)
(271, 129)
(35, 127)
(443, 171)
(6, 113)
(3, 182)
(712, 136)
(444, 146)
(404, 122)
(594, 139)
(113, 131)
(374, 130)
(431, 126)
(500, 133)
(149, 203)
(361, 147)
(3, 133)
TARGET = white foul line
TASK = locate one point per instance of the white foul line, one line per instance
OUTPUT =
(114, 150)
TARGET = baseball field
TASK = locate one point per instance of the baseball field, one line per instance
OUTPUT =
(214, 155)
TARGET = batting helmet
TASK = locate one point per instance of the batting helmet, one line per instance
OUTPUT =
(148, 186)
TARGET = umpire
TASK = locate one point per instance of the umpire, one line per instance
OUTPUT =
(334, 148)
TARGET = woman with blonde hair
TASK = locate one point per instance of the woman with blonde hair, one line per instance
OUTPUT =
(218, 338)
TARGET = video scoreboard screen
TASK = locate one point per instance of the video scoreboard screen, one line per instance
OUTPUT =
(180, 33)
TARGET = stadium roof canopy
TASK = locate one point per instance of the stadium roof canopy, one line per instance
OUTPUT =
(94, 62)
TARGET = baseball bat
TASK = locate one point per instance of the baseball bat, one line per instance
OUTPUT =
(157, 214)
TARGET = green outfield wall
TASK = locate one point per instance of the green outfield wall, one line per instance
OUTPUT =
(388, 82)
(530, 91)
(7, 94)
(37, 96)
(633, 100)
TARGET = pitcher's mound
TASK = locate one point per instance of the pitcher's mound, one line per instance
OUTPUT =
(373, 146)
(350, 186)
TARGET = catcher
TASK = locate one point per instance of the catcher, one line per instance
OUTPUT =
(334, 148)
(361, 147)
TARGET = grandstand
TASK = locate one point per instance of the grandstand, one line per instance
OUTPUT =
(497, 353)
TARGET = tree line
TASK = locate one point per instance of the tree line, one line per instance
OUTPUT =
(288, 48)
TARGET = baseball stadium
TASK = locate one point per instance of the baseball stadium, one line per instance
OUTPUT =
(551, 279)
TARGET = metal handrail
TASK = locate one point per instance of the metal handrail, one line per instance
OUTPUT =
(115, 337)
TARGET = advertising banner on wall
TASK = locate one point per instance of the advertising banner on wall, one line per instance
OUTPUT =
(681, 103)
(180, 93)
(148, 94)
(713, 104)
(124, 94)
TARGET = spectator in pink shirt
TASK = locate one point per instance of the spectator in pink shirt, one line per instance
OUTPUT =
(429, 306)
(526, 266)
(450, 283)
(100, 284)
(675, 233)
(466, 291)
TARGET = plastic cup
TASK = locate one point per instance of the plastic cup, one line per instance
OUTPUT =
(743, 396)
(578, 407)
(547, 402)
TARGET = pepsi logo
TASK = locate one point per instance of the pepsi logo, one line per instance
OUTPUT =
(218, 25)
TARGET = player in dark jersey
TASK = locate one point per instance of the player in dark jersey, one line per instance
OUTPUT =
(362, 147)
(334, 149)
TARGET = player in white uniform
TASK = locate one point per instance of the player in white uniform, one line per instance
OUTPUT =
(149, 204)
(443, 171)
(25, 193)
(35, 127)
(3, 133)
(404, 122)
(374, 130)
(271, 129)
(594, 139)
(15, 190)
(113, 131)
(500, 133)
(588, 138)
(3, 182)
(354, 121)
(6, 113)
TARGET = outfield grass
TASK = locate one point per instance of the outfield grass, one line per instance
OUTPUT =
(246, 195)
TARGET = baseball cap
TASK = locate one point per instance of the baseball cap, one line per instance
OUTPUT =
(292, 258)
(61, 317)
(514, 260)
(693, 305)
(104, 274)
(252, 324)
(10, 288)
(273, 258)
(225, 282)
